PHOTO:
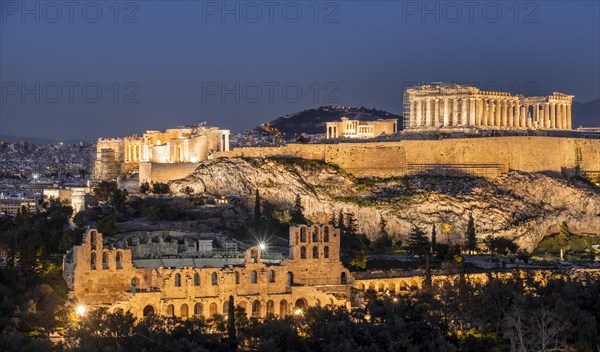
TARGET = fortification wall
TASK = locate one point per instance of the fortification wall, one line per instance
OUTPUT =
(155, 172)
(488, 156)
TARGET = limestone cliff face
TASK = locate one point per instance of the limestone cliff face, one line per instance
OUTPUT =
(522, 206)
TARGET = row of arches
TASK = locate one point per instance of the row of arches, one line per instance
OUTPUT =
(254, 309)
(315, 252)
(315, 234)
(272, 276)
(104, 264)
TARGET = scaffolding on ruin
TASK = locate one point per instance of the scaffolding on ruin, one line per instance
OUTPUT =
(405, 110)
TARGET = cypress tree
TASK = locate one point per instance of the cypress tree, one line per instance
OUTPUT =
(231, 331)
(471, 242)
(433, 240)
(297, 212)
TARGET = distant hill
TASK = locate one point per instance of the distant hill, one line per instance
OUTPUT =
(35, 140)
(313, 121)
(586, 114)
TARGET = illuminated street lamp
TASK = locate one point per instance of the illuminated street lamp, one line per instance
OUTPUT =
(80, 310)
(262, 246)
(298, 311)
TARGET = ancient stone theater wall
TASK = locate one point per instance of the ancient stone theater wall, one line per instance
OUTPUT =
(480, 156)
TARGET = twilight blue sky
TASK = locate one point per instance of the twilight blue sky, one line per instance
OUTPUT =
(161, 64)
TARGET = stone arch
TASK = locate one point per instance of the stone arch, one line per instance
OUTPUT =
(198, 309)
(226, 307)
(93, 261)
(303, 252)
(196, 279)
(283, 308)
(214, 279)
(317, 303)
(315, 235)
(178, 280)
(134, 285)
(118, 260)
(270, 307)
(253, 277)
(301, 303)
(171, 310)
(315, 252)
(148, 310)
(343, 278)
(184, 311)
(372, 286)
(212, 309)
(271, 276)
(256, 307)
(93, 234)
(303, 234)
(326, 234)
(104, 260)
(244, 306)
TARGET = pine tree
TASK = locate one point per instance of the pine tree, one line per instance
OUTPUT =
(257, 214)
(471, 242)
(341, 222)
(433, 240)
(351, 225)
(418, 243)
(333, 221)
(297, 212)
(384, 242)
(231, 331)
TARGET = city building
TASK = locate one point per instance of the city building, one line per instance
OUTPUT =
(191, 279)
(189, 144)
(346, 128)
(452, 106)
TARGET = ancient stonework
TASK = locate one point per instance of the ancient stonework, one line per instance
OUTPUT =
(346, 128)
(452, 106)
(187, 145)
(312, 275)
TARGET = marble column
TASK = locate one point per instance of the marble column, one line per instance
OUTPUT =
(552, 115)
(511, 114)
(478, 112)
(569, 122)
(446, 113)
(517, 115)
(436, 120)
(492, 113)
(498, 117)
(454, 121)
(471, 112)
(545, 115)
(427, 112)
(524, 117)
(419, 114)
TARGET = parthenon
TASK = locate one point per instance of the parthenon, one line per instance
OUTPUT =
(453, 106)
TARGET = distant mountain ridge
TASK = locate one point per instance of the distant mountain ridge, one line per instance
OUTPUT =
(7, 138)
(586, 114)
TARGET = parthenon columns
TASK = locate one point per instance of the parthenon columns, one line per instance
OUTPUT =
(433, 107)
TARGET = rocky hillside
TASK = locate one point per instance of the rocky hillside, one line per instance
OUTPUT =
(522, 206)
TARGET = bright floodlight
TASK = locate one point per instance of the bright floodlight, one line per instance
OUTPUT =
(298, 312)
(262, 246)
(80, 310)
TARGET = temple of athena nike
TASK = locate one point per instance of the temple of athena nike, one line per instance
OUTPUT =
(452, 106)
